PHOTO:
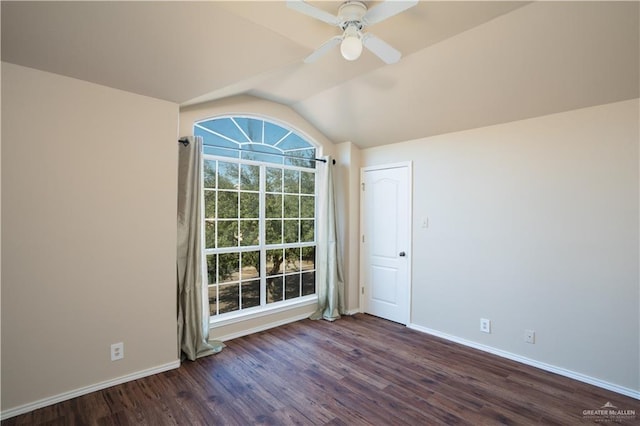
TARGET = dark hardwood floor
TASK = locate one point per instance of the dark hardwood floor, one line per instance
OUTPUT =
(360, 370)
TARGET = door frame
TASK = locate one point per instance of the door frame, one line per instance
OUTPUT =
(362, 264)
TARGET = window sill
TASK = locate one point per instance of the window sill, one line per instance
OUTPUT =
(236, 317)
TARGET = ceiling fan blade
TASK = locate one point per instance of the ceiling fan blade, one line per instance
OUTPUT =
(386, 10)
(314, 12)
(326, 46)
(381, 49)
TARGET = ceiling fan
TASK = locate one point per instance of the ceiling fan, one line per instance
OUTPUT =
(353, 17)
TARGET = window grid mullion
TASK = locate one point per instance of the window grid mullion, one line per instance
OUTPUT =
(262, 239)
(215, 241)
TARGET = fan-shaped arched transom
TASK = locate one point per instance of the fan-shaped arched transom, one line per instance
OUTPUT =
(256, 139)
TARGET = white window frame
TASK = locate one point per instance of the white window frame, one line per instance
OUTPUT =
(219, 320)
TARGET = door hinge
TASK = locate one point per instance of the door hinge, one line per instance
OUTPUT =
(363, 238)
(362, 290)
(362, 186)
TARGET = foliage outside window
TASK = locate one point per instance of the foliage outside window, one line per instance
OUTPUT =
(259, 215)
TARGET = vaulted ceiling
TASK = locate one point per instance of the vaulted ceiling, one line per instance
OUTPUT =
(464, 65)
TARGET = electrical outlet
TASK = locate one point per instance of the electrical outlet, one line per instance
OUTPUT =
(530, 336)
(117, 351)
(485, 325)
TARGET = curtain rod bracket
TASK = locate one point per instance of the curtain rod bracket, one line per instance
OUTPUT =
(333, 161)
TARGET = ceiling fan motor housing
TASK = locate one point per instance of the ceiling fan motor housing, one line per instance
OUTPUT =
(352, 12)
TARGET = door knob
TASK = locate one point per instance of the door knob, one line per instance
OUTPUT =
(402, 254)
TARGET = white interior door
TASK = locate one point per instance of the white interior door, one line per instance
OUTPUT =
(386, 241)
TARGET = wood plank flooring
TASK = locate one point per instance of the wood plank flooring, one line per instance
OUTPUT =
(360, 370)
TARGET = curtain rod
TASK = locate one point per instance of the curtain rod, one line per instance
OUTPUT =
(185, 142)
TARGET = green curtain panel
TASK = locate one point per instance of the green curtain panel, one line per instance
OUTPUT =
(193, 325)
(329, 278)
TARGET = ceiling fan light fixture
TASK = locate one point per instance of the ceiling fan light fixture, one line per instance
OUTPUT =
(351, 48)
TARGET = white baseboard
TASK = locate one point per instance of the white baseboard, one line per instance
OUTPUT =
(261, 327)
(22, 409)
(528, 361)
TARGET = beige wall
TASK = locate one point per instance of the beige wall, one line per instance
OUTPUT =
(533, 225)
(348, 203)
(88, 232)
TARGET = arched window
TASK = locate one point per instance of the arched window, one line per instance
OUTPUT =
(255, 139)
(259, 215)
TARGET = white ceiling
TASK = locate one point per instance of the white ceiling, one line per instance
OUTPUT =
(465, 64)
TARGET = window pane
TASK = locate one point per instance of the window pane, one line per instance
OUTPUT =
(228, 298)
(227, 205)
(308, 258)
(274, 180)
(275, 260)
(293, 141)
(273, 234)
(249, 205)
(307, 233)
(209, 174)
(228, 267)
(225, 126)
(210, 139)
(265, 158)
(210, 234)
(211, 268)
(213, 299)
(292, 286)
(292, 181)
(250, 265)
(291, 206)
(292, 263)
(227, 233)
(259, 148)
(274, 289)
(249, 233)
(307, 207)
(304, 154)
(273, 206)
(299, 162)
(273, 133)
(249, 177)
(307, 183)
(302, 158)
(227, 175)
(291, 231)
(250, 294)
(221, 152)
(210, 204)
(251, 127)
(308, 283)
